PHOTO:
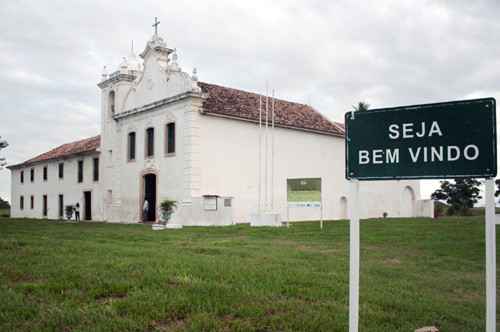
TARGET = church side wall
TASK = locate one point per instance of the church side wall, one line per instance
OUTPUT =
(68, 186)
(229, 167)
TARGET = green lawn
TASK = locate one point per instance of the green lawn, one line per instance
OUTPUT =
(414, 273)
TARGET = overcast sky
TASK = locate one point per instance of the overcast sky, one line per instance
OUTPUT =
(331, 53)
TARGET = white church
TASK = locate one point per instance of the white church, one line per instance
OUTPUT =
(164, 134)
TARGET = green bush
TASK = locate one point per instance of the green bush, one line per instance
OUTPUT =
(5, 213)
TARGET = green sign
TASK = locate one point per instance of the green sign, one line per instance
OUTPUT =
(303, 192)
(431, 141)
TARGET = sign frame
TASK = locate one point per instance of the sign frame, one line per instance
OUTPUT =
(435, 170)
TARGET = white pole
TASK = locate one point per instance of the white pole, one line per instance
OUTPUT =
(321, 211)
(260, 150)
(272, 155)
(321, 207)
(265, 168)
(491, 280)
(354, 257)
(287, 216)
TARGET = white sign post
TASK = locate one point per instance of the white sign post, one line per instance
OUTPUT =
(491, 277)
(354, 256)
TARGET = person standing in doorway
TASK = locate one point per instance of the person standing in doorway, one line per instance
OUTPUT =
(145, 208)
(77, 212)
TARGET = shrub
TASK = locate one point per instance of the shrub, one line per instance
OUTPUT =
(168, 205)
(69, 209)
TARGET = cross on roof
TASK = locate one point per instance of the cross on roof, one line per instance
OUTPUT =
(156, 25)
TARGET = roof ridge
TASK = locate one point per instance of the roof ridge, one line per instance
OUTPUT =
(257, 94)
(244, 105)
(64, 150)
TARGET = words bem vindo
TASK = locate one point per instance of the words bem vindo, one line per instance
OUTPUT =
(418, 153)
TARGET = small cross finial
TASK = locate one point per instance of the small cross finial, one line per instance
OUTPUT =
(156, 25)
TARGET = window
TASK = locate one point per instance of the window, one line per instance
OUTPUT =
(80, 170)
(45, 173)
(61, 170)
(61, 205)
(32, 202)
(96, 169)
(150, 142)
(110, 158)
(110, 196)
(170, 138)
(32, 175)
(21, 202)
(131, 146)
(22, 176)
(44, 211)
(111, 103)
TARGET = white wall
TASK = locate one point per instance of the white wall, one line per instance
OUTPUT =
(229, 167)
(126, 185)
(69, 187)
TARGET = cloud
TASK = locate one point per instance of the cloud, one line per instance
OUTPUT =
(333, 53)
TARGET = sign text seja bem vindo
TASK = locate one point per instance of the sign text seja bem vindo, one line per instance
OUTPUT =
(444, 140)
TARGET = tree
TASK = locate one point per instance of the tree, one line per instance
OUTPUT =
(4, 204)
(3, 144)
(460, 196)
(362, 106)
(497, 182)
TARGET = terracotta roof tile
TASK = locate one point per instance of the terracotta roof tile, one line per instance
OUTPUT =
(245, 105)
(86, 145)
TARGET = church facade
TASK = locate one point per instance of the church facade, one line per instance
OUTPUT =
(164, 134)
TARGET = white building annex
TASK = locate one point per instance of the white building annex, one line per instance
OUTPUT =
(164, 134)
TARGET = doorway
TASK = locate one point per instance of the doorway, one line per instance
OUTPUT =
(149, 181)
(61, 206)
(45, 206)
(343, 208)
(408, 203)
(87, 205)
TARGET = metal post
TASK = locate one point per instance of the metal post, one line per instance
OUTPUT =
(321, 216)
(266, 154)
(491, 280)
(272, 155)
(260, 150)
(321, 211)
(354, 257)
(287, 216)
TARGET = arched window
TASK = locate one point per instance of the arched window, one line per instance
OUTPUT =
(170, 138)
(150, 142)
(343, 208)
(111, 104)
(408, 203)
(131, 146)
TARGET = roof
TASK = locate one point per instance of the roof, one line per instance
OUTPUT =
(226, 102)
(245, 105)
(78, 147)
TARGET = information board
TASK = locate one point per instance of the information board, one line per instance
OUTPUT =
(304, 192)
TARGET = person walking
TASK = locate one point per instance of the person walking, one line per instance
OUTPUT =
(77, 212)
(145, 208)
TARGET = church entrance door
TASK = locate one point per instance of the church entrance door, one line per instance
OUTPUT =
(149, 181)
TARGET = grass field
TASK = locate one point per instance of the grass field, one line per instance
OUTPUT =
(414, 273)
